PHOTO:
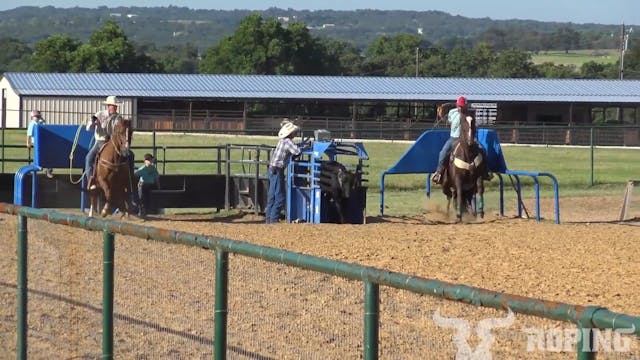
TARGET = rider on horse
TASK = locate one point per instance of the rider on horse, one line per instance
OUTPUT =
(453, 117)
(103, 122)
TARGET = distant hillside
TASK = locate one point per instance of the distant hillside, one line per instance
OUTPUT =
(173, 25)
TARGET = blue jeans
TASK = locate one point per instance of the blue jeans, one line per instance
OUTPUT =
(446, 149)
(90, 160)
(277, 195)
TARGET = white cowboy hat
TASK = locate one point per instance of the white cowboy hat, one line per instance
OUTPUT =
(287, 129)
(111, 100)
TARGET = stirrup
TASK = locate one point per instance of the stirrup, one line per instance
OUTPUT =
(437, 178)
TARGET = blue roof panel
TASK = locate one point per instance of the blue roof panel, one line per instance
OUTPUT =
(324, 87)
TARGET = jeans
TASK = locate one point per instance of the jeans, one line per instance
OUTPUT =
(144, 194)
(446, 149)
(90, 160)
(277, 195)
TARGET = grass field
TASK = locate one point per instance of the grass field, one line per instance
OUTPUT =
(571, 165)
(577, 57)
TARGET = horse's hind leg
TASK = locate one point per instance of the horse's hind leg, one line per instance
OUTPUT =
(124, 204)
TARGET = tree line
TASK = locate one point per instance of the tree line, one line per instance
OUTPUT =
(262, 45)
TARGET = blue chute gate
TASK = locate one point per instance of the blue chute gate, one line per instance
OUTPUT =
(306, 202)
(422, 157)
(55, 146)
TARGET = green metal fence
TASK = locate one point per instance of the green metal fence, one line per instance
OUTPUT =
(585, 318)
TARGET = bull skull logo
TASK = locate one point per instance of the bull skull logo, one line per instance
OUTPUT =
(483, 331)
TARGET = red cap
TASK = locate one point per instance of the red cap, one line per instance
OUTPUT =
(462, 101)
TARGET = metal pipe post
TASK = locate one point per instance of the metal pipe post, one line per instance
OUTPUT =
(108, 246)
(371, 320)
(221, 305)
(21, 341)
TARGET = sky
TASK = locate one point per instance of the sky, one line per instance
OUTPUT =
(575, 11)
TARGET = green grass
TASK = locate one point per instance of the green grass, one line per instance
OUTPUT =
(571, 166)
(576, 57)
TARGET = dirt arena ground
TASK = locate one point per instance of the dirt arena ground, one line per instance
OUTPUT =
(164, 292)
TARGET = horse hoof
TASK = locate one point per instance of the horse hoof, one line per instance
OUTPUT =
(103, 213)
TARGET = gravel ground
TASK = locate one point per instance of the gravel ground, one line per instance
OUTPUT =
(164, 292)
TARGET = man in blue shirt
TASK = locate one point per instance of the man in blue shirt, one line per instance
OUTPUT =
(453, 118)
(279, 160)
(36, 120)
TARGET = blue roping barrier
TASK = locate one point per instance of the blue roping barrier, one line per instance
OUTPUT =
(422, 157)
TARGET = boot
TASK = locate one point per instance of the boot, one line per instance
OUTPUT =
(437, 176)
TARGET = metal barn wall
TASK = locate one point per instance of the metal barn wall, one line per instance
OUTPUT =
(70, 110)
(13, 104)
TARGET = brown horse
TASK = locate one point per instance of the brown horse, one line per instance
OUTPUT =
(112, 170)
(463, 175)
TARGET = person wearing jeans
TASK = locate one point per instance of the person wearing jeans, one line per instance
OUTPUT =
(281, 156)
(453, 118)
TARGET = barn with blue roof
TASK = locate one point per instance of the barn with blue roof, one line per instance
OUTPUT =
(251, 103)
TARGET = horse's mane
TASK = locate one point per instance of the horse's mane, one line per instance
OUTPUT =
(121, 132)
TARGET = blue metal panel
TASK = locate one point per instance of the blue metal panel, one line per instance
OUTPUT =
(53, 145)
(305, 201)
(422, 156)
(324, 87)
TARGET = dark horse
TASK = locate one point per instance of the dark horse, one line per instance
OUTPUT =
(112, 170)
(463, 175)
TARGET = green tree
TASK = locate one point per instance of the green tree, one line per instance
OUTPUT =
(566, 39)
(175, 59)
(512, 64)
(393, 56)
(55, 54)
(433, 62)
(557, 71)
(595, 70)
(14, 55)
(341, 58)
(257, 47)
(262, 46)
(108, 51)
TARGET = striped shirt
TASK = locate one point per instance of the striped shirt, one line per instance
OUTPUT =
(283, 152)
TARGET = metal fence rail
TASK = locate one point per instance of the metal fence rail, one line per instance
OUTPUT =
(585, 318)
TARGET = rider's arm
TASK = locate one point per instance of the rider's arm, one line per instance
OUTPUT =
(91, 122)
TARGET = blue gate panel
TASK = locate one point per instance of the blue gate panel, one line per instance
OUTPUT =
(53, 145)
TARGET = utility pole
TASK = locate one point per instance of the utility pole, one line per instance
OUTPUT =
(415, 109)
(417, 59)
(624, 43)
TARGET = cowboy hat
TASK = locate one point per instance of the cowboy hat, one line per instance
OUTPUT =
(35, 113)
(287, 129)
(111, 100)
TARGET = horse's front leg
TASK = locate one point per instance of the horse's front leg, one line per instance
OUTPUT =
(92, 206)
(107, 201)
